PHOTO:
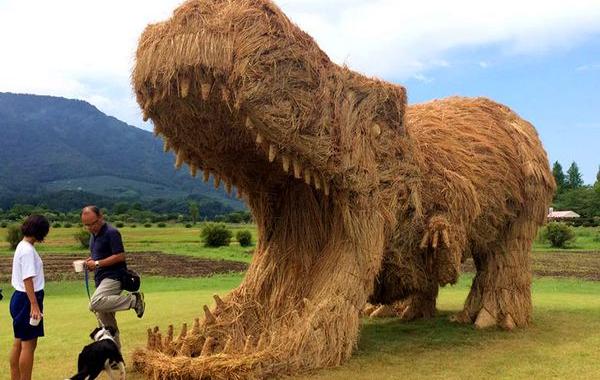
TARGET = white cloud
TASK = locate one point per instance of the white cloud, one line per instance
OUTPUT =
(85, 48)
(589, 67)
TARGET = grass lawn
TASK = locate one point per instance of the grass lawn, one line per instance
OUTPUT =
(563, 342)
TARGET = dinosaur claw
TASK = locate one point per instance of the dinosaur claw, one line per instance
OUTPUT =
(209, 317)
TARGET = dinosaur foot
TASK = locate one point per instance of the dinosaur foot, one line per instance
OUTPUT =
(497, 308)
(416, 306)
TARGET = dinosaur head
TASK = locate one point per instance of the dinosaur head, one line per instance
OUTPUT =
(240, 92)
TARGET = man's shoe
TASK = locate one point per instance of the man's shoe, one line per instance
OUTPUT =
(140, 305)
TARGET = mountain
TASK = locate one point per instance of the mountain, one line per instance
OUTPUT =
(51, 145)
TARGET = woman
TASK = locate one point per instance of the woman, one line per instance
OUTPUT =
(26, 304)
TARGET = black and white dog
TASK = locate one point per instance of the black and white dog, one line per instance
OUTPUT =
(102, 355)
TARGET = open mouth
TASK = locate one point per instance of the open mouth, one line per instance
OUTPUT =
(209, 130)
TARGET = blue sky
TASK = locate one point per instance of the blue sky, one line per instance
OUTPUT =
(558, 91)
(539, 57)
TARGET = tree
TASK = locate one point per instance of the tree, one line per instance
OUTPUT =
(597, 184)
(574, 180)
(559, 177)
(194, 211)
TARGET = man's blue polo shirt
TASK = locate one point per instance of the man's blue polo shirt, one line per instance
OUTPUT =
(105, 244)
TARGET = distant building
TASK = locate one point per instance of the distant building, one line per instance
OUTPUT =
(553, 215)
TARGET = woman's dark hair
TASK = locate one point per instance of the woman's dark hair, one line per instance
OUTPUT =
(36, 226)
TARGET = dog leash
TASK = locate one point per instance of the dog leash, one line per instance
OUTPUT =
(87, 288)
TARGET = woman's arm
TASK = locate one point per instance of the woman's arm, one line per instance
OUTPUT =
(35, 312)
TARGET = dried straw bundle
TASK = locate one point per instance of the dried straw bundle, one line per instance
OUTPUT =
(322, 156)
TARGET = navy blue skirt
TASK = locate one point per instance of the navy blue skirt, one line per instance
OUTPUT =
(20, 308)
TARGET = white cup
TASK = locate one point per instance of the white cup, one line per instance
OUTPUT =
(34, 322)
(79, 265)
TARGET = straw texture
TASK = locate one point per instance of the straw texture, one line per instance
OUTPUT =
(337, 184)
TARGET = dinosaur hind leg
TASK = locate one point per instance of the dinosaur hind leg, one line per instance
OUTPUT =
(500, 294)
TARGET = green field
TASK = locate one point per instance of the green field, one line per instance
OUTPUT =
(172, 239)
(563, 342)
(175, 238)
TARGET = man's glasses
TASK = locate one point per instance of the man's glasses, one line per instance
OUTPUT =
(91, 224)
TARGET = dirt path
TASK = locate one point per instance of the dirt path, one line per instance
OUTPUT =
(59, 266)
(584, 265)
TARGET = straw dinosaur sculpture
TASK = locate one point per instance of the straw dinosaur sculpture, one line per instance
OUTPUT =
(342, 182)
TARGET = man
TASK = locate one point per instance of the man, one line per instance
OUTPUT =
(108, 263)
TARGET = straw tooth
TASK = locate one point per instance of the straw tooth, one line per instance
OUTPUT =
(184, 87)
(183, 332)
(193, 170)
(249, 123)
(217, 181)
(144, 116)
(205, 89)
(206, 175)
(307, 176)
(272, 153)
(156, 131)
(317, 182)
(434, 241)
(424, 240)
(196, 328)
(169, 337)
(228, 187)
(166, 146)
(228, 348)
(297, 169)
(248, 345)
(150, 341)
(179, 159)
(326, 187)
(240, 193)
(218, 300)
(376, 130)
(185, 349)
(209, 319)
(207, 348)
(259, 139)
(224, 94)
(285, 161)
(158, 342)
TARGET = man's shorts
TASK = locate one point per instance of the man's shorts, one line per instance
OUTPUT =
(20, 308)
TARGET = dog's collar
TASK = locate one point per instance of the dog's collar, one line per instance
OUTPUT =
(103, 334)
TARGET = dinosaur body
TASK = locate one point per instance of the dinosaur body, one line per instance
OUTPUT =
(337, 184)
(483, 190)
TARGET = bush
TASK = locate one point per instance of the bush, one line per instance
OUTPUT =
(161, 225)
(244, 237)
(558, 234)
(119, 224)
(148, 225)
(14, 235)
(3, 225)
(133, 226)
(215, 235)
(188, 226)
(68, 225)
(56, 225)
(83, 238)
